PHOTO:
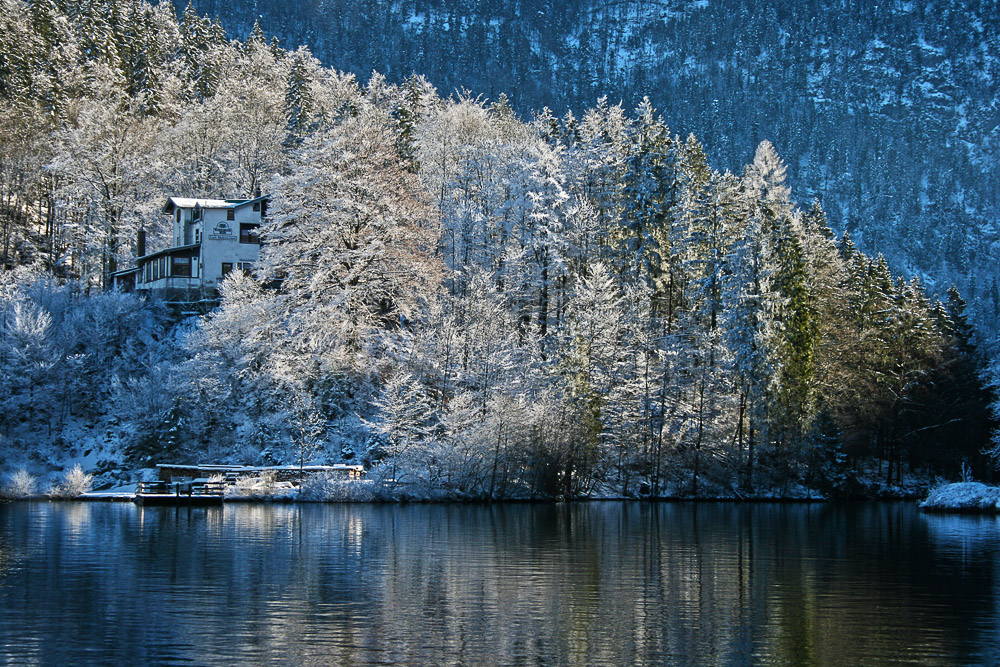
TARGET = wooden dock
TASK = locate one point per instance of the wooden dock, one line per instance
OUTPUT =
(205, 484)
(197, 492)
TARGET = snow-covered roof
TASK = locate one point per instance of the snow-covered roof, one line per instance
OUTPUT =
(186, 202)
(173, 203)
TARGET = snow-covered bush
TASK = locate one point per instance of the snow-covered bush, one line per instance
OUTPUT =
(75, 483)
(334, 488)
(963, 497)
(20, 484)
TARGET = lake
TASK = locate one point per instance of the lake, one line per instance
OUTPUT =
(601, 583)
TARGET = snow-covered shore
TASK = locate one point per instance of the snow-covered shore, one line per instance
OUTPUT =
(963, 497)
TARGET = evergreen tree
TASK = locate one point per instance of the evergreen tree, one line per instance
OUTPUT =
(404, 420)
(647, 194)
(417, 93)
(751, 306)
(594, 366)
(298, 101)
(795, 313)
(201, 41)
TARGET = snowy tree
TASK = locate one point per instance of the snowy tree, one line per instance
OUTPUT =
(249, 106)
(403, 417)
(105, 166)
(299, 104)
(202, 46)
(648, 194)
(351, 237)
(29, 354)
(227, 376)
(793, 313)
(485, 352)
(705, 230)
(308, 425)
(597, 160)
(418, 96)
(751, 304)
(441, 139)
(595, 369)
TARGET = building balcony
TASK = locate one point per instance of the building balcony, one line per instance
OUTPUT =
(171, 283)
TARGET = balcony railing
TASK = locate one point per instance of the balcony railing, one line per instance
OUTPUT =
(171, 282)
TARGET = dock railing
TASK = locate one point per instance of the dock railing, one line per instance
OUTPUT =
(179, 489)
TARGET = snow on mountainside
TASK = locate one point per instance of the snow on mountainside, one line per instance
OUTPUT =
(889, 113)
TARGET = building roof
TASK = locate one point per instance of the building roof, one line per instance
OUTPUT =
(186, 250)
(173, 203)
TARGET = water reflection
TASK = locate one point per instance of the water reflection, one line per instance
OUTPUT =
(963, 533)
(597, 583)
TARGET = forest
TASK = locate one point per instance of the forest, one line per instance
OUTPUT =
(884, 111)
(472, 303)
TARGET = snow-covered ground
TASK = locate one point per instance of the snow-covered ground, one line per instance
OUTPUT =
(963, 497)
(93, 444)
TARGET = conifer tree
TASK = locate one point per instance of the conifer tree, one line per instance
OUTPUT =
(298, 101)
(794, 313)
(647, 194)
(201, 41)
(404, 419)
(417, 96)
(593, 364)
(751, 306)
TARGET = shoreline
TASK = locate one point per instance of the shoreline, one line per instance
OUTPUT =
(113, 497)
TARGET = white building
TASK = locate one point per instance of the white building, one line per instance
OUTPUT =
(212, 237)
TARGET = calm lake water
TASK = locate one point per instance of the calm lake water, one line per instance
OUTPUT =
(566, 584)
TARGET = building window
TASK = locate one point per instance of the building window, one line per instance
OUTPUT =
(196, 215)
(245, 267)
(227, 268)
(181, 266)
(197, 236)
(249, 233)
(256, 206)
(230, 214)
(178, 215)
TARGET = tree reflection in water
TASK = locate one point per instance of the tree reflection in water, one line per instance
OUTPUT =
(590, 583)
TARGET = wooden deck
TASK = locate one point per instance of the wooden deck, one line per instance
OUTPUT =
(194, 492)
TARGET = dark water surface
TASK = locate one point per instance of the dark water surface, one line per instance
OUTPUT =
(567, 584)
